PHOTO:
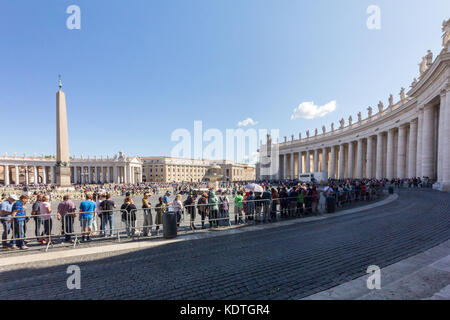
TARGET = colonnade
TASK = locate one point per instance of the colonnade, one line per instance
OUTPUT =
(12, 174)
(418, 147)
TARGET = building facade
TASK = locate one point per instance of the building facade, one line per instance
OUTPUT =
(41, 170)
(408, 138)
(169, 169)
(118, 169)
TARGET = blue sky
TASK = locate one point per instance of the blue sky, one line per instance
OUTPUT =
(139, 69)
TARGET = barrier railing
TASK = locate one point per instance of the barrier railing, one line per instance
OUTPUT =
(147, 222)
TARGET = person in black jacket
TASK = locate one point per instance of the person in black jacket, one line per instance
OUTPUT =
(189, 204)
(128, 210)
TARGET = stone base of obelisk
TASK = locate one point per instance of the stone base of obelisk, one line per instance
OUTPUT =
(63, 177)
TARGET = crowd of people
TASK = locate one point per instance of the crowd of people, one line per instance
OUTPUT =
(269, 202)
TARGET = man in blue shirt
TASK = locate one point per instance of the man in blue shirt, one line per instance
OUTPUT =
(88, 209)
(18, 217)
(5, 217)
(166, 198)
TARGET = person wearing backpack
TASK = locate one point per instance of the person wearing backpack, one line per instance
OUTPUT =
(107, 206)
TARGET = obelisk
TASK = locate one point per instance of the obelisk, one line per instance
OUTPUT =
(62, 141)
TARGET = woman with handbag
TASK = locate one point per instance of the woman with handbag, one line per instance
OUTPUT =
(178, 207)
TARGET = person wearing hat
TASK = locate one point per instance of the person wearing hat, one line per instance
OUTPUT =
(5, 217)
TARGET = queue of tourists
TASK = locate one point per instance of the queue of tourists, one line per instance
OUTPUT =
(232, 203)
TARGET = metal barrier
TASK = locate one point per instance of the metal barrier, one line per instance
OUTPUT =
(146, 223)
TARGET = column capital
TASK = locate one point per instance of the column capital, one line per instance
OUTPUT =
(443, 93)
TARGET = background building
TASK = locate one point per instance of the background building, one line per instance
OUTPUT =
(168, 169)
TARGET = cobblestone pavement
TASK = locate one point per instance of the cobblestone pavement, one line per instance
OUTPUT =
(288, 262)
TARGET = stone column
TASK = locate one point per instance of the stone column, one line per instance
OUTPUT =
(333, 163)
(83, 176)
(36, 174)
(96, 175)
(6, 175)
(316, 160)
(412, 149)
(369, 157)
(419, 144)
(324, 160)
(300, 164)
(445, 184)
(390, 155)
(401, 152)
(16, 169)
(428, 142)
(308, 162)
(44, 175)
(26, 175)
(52, 179)
(379, 164)
(350, 162)
(115, 175)
(359, 159)
(292, 166)
(284, 166)
(341, 161)
(441, 136)
(131, 174)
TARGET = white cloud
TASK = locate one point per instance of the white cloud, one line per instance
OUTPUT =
(308, 110)
(247, 122)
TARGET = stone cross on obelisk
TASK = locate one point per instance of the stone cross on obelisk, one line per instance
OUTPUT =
(62, 140)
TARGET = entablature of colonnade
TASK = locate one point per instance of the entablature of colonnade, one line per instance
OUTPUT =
(425, 91)
(388, 119)
(49, 161)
